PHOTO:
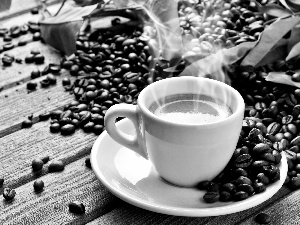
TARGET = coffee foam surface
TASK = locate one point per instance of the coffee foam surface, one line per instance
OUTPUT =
(192, 112)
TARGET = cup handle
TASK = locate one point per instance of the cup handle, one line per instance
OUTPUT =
(131, 112)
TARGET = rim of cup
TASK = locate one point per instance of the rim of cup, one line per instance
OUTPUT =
(145, 92)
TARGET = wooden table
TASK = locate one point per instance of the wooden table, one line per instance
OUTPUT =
(18, 147)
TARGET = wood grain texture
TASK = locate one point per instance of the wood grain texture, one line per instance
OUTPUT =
(285, 211)
(17, 103)
(76, 182)
(20, 148)
(128, 214)
(21, 72)
(23, 6)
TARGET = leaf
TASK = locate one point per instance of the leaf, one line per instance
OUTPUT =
(274, 10)
(294, 52)
(60, 31)
(283, 2)
(295, 37)
(269, 39)
(5, 5)
(294, 4)
(213, 64)
(164, 14)
(282, 78)
(279, 51)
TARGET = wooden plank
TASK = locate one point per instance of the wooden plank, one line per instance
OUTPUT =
(128, 214)
(20, 148)
(76, 182)
(285, 211)
(21, 71)
(17, 103)
(19, 7)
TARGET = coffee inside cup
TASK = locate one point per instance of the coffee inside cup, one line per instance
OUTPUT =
(190, 109)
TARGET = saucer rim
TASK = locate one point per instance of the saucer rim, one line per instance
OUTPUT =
(231, 207)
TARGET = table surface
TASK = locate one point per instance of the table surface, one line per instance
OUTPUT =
(18, 147)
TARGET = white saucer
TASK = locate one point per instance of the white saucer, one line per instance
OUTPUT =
(133, 179)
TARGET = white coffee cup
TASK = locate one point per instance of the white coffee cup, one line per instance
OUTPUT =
(182, 154)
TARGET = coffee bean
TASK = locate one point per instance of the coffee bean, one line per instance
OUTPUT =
(56, 166)
(7, 61)
(1, 182)
(27, 123)
(9, 194)
(39, 59)
(45, 159)
(88, 163)
(55, 127)
(273, 128)
(263, 218)
(77, 207)
(35, 73)
(37, 165)
(296, 77)
(66, 81)
(54, 68)
(261, 148)
(67, 129)
(38, 185)
(203, 185)
(211, 197)
(243, 161)
(44, 116)
(29, 58)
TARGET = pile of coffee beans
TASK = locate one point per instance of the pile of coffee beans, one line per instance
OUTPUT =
(109, 70)
(253, 166)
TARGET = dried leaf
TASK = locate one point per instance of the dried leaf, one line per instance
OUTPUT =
(279, 51)
(5, 5)
(294, 52)
(282, 78)
(166, 20)
(213, 64)
(283, 2)
(274, 10)
(294, 38)
(269, 39)
(60, 31)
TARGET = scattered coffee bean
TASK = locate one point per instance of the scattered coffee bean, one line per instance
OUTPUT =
(88, 163)
(39, 59)
(56, 166)
(55, 127)
(45, 159)
(263, 218)
(38, 185)
(44, 116)
(9, 194)
(35, 73)
(211, 197)
(66, 81)
(27, 123)
(54, 68)
(29, 58)
(31, 85)
(77, 207)
(67, 129)
(34, 11)
(1, 182)
(37, 165)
